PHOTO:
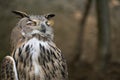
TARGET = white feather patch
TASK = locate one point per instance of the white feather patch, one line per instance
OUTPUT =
(35, 51)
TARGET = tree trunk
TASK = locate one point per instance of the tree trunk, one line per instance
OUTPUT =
(79, 44)
(103, 54)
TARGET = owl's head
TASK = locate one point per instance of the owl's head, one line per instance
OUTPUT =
(35, 24)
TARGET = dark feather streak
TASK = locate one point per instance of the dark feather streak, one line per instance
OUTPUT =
(20, 51)
(27, 48)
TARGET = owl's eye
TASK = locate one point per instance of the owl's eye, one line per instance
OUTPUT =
(31, 23)
(50, 23)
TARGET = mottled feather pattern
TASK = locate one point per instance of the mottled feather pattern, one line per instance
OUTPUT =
(41, 60)
(8, 69)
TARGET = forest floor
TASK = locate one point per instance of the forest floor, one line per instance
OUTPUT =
(86, 71)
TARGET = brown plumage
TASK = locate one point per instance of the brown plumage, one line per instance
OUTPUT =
(35, 55)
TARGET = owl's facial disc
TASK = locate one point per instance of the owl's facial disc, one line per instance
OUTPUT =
(37, 24)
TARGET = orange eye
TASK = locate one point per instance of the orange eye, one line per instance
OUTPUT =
(50, 23)
(31, 23)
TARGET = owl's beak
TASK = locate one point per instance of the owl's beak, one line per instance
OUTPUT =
(43, 28)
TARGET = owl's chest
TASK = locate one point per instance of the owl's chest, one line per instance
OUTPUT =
(31, 50)
(39, 60)
(32, 57)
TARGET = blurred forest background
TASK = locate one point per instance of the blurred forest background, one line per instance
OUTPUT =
(77, 34)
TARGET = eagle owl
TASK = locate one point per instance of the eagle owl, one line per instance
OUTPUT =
(34, 53)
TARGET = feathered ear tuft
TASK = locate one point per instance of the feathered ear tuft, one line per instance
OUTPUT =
(20, 13)
(49, 16)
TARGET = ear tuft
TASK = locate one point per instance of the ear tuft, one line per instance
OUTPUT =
(49, 16)
(20, 13)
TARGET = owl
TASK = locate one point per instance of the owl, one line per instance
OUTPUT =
(34, 55)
